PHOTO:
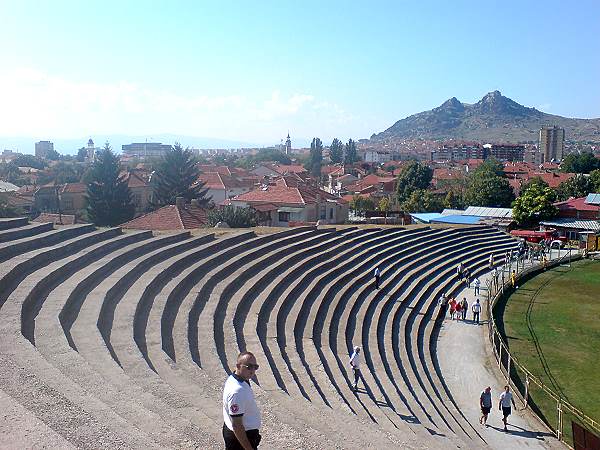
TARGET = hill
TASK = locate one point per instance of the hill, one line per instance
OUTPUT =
(494, 118)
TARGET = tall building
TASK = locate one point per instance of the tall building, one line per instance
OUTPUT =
(552, 143)
(42, 148)
(146, 149)
(288, 145)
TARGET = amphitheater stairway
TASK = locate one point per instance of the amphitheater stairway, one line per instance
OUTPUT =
(124, 340)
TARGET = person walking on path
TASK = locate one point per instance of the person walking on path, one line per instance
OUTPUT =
(355, 364)
(458, 310)
(452, 308)
(467, 277)
(376, 274)
(443, 304)
(513, 279)
(240, 413)
(477, 285)
(459, 271)
(485, 401)
(506, 399)
(464, 307)
(476, 308)
(491, 261)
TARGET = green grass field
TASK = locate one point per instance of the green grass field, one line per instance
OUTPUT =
(552, 323)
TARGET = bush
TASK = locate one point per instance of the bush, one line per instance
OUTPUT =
(234, 217)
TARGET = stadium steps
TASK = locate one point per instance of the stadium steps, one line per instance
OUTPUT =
(40, 387)
(13, 222)
(164, 425)
(49, 238)
(12, 234)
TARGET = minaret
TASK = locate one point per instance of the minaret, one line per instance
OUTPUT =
(288, 145)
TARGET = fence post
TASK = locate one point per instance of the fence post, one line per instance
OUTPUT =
(560, 420)
(526, 389)
(508, 367)
(500, 356)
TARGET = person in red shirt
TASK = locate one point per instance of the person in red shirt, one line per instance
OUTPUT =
(452, 308)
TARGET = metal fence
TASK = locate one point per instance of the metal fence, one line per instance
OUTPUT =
(550, 407)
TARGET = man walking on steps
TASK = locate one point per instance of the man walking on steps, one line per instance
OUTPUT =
(376, 274)
(485, 402)
(355, 364)
(506, 399)
(476, 308)
(240, 412)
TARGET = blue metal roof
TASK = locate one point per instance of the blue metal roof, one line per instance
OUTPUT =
(593, 199)
(425, 217)
(465, 220)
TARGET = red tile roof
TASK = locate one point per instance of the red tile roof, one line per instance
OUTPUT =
(223, 170)
(578, 204)
(216, 180)
(57, 219)
(169, 217)
(73, 188)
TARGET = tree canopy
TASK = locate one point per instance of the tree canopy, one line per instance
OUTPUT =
(535, 203)
(413, 176)
(360, 204)
(234, 217)
(422, 200)
(177, 175)
(336, 151)
(108, 196)
(29, 161)
(486, 189)
(595, 179)
(580, 163)
(316, 157)
(350, 155)
(578, 186)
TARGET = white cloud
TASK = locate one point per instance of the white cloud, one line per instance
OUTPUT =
(34, 103)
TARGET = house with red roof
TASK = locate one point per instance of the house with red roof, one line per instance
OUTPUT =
(181, 216)
(578, 208)
(221, 187)
(138, 182)
(288, 200)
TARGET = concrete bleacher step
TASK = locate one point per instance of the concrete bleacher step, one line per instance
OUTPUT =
(164, 424)
(13, 222)
(24, 231)
(407, 309)
(342, 368)
(46, 239)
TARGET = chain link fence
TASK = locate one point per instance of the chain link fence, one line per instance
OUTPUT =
(550, 407)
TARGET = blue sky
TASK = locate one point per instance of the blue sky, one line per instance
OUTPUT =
(249, 71)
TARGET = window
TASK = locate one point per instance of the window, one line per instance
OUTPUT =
(68, 203)
(331, 213)
(284, 216)
(323, 212)
(137, 200)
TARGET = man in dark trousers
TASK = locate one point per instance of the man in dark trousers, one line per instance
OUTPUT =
(240, 412)
(376, 274)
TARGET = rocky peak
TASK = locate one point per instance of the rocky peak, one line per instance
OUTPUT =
(452, 104)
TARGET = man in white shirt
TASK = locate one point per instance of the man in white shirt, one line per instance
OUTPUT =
(477, 285)
(240, 413)
(476, 308)
(355, 364)
(506, 398)
(376, 274)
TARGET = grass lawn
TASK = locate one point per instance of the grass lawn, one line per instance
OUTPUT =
(552, 323)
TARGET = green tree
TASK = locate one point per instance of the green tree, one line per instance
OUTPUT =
(336, 151)
(29, 161)
(577, 186)
(350, 155)
(422, 200)
(595, 179)
(413, 176)
(10, 172)
(580, 163)
(486, 189)
(7, 210)
(177, 175)
(453, 201)
(108, 197)
(491, 166)
(62, 172)
(233, 216)
(52, 155)
(81, 154)
(316, 157)
(360, 204)
(535, 203)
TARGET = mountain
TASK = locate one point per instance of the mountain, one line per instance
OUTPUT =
(494, 118)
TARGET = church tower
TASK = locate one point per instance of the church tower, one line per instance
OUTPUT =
(288, 145)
